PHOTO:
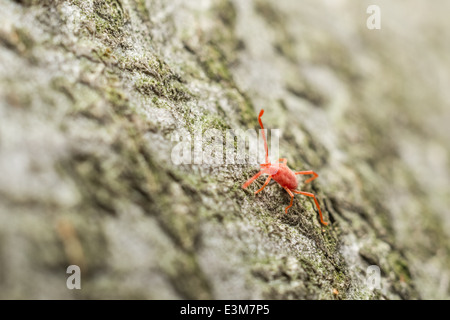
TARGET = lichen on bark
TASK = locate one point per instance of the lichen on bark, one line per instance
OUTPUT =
(91, 93)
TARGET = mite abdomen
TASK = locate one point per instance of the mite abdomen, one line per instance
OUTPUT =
(285, 177)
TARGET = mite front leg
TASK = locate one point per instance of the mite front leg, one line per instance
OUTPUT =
(292, 199)
(249, 181)
(282, 160)
(308, 172)
(264, 185)
(315, 200)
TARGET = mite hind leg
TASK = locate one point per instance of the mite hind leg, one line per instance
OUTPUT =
(292, 199)
(315, 200)
(308, 172)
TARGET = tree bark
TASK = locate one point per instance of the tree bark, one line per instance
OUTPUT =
(92, 94)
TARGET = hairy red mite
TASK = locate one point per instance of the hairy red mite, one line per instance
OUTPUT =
(281, 173)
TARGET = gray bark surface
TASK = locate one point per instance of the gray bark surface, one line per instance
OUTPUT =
(92, 92)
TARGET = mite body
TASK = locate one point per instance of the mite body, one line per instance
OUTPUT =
(281, 173)
(285, 177)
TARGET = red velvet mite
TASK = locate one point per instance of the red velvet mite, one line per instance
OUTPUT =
(281, 173)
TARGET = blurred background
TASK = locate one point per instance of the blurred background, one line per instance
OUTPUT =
(91, 91)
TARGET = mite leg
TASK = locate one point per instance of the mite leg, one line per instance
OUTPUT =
(263, 135)
(282, 160)
(249, 181)
(315, 200)
(292, 199)
(264, 185)
(308, 172)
